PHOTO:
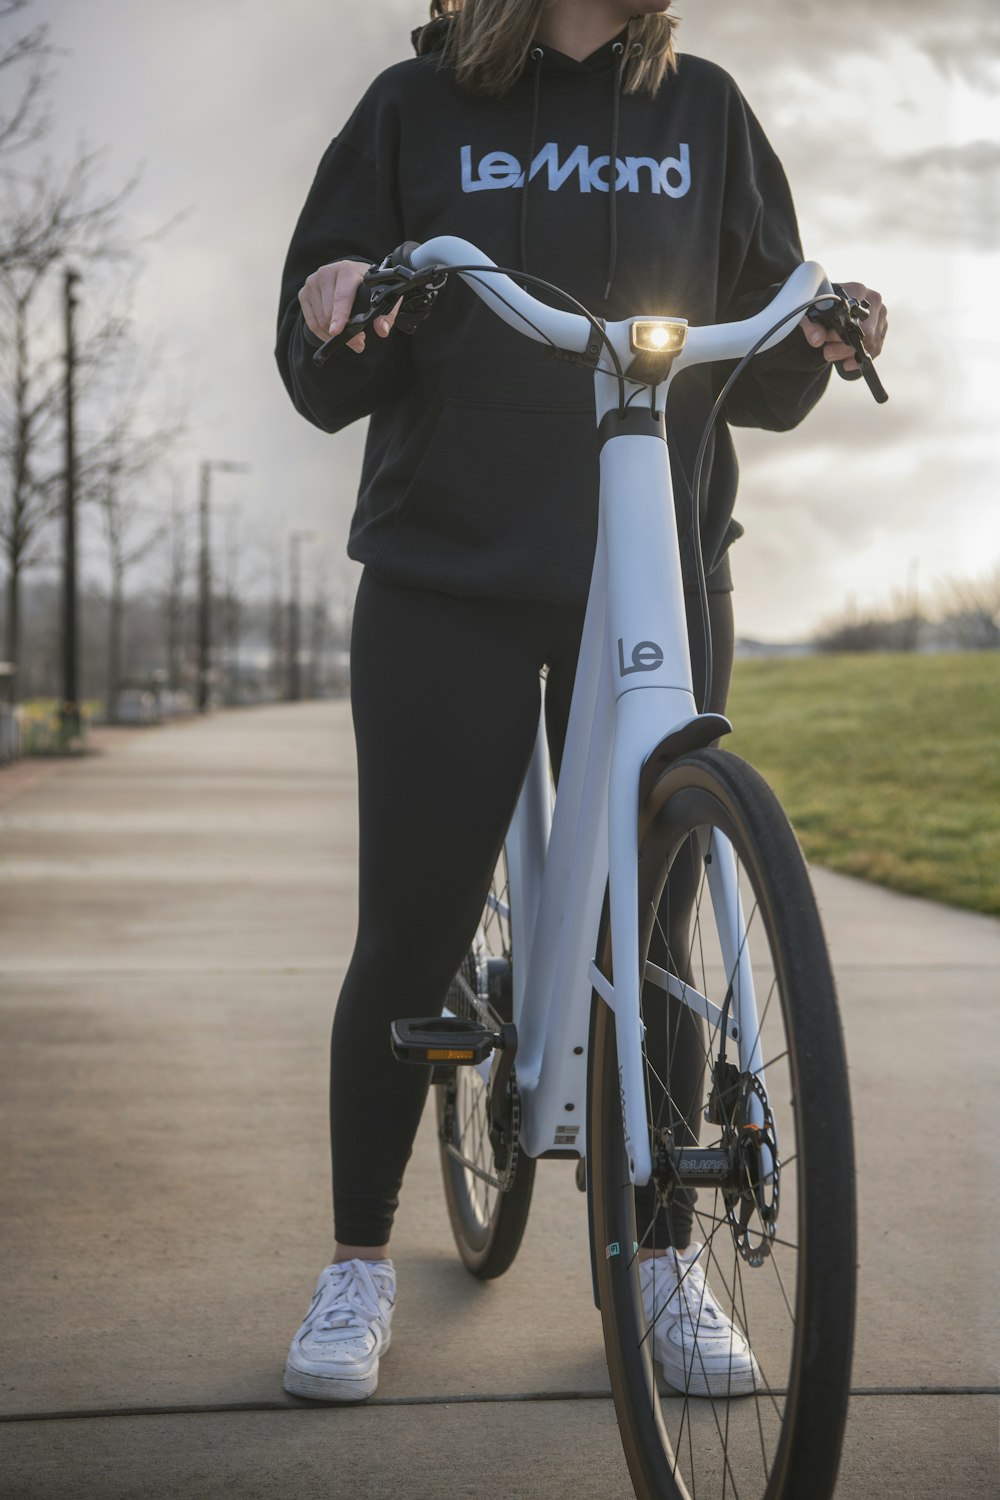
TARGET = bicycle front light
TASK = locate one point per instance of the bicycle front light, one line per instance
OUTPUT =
(655, 343)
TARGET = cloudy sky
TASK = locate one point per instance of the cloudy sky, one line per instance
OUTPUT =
(885, 115)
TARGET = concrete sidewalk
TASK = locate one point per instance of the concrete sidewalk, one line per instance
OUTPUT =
(175, 918)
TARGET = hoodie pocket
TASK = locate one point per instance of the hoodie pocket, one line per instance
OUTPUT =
(504, 498)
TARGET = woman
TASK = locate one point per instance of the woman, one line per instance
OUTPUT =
(476, 517)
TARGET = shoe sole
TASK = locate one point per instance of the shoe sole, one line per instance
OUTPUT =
(328, 1388)
(332, 1387)
(694, 1383)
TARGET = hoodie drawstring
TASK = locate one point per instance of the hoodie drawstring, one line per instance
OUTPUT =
(619, 50)
(536, 54)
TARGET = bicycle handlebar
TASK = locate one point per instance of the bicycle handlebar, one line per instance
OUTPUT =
(572, 332)
(518, 308)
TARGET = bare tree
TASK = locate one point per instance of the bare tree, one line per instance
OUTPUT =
(139, 431)
(320, 624)
(177, 572)
(231, 615)
(875, 631)
(905, 618)
(48, 215)
(28, 472)
(32, 472)
(45, 212)
(23, 60)
(276, 623)
(50, 223)
(118, 518)
(971, 611)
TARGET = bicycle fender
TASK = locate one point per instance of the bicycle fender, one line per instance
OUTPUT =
(697, 734)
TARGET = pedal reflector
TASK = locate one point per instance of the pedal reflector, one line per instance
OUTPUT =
(443, 1039)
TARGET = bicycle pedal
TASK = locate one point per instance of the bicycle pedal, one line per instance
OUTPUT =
(443, 1039)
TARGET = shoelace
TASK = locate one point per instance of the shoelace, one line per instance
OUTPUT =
(354, 1307)
(687, 1283)
(698, 1299)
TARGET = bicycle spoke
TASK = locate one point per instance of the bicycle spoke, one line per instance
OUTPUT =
(777, 1058)
(680, 1282)
(760, 1024)
(729, 1382)
(732, 1302)
(734, 944)
(756, 1398)
(781, 1284)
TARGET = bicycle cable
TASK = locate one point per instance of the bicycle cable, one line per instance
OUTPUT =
(567, 297)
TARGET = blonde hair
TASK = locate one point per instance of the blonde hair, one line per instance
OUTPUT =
(487, 43)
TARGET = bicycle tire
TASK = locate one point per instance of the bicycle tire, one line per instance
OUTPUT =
(783, 1440)
(487, 1223)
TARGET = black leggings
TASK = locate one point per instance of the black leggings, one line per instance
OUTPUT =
(445, 696)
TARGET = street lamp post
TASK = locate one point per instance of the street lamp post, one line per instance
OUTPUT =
(70, 711)
(221, 466)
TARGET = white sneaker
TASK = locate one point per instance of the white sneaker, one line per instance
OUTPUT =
(700, 1351)
(335, 1354)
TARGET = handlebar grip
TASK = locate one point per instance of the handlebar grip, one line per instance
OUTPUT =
(401, 255)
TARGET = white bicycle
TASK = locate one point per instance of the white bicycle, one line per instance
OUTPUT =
(579, 991)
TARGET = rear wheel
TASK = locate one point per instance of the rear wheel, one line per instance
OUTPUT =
(488, 1202)
(777, 1221)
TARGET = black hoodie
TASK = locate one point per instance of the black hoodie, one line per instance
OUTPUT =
(480, 470)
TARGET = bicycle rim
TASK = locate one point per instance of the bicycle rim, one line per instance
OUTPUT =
(778, 1247)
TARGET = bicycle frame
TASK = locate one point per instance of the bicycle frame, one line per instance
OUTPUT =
(632, 697)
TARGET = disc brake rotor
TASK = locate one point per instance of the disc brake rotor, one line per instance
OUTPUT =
(752, 1199)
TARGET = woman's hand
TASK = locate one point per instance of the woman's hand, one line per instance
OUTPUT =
(873, 329)
(328, 296)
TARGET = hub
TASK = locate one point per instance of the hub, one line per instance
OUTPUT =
(743, 1166)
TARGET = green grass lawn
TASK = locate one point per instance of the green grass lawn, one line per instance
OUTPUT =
(888, 765)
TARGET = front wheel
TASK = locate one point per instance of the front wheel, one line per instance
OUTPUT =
(753, 1161)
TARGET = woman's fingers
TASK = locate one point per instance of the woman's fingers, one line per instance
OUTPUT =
(327, 298)
(349, 275)
(873, 329)
(814, 332)
(383, 326)
(316, 300)
(875, 326)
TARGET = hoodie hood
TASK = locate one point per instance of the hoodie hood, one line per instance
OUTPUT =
(430, 39)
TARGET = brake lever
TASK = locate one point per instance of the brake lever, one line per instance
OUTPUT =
(357, 323)
(386, 285)
(845, 315)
